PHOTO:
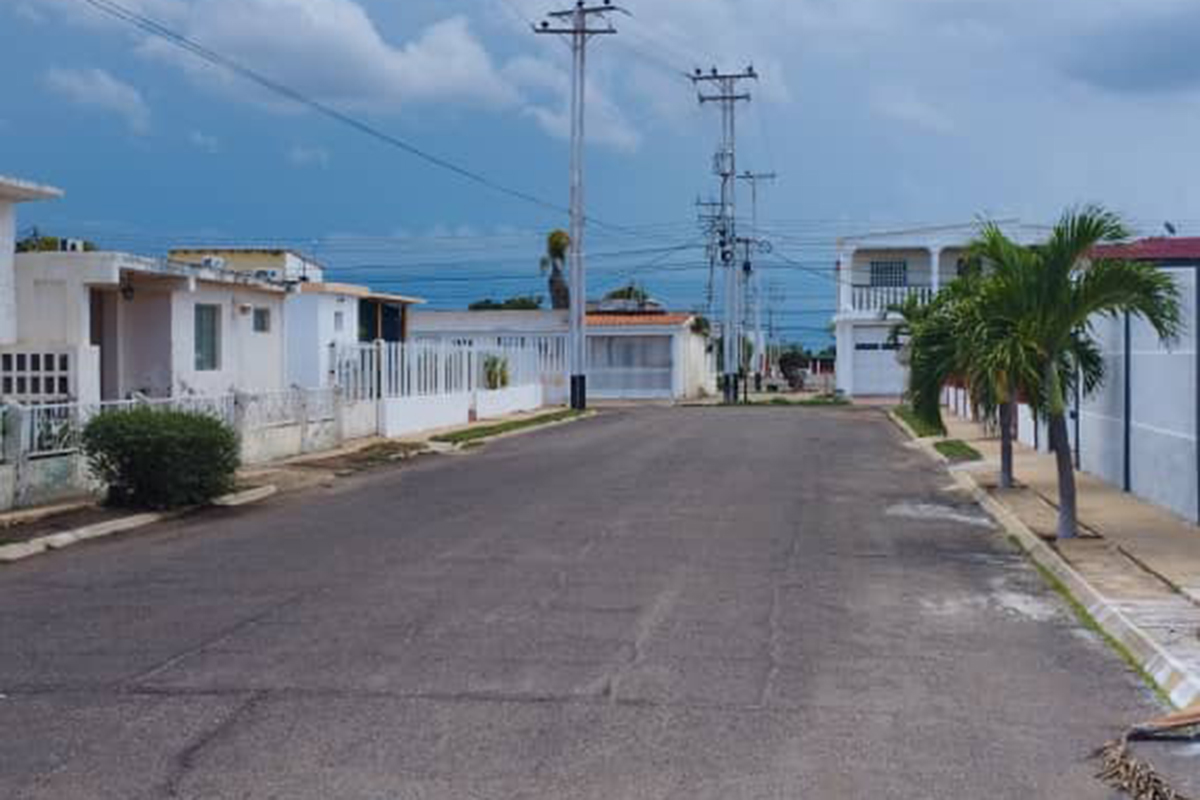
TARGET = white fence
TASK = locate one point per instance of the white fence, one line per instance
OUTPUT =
(433, 367)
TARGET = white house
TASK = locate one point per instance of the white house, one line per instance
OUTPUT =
(105, 326)
(654, 355)
(323, 317)
(12, 192)
(319, 316)
(879, 270)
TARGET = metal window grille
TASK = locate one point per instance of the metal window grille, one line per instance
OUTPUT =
(889, 273)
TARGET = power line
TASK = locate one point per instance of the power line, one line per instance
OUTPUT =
(157, 29)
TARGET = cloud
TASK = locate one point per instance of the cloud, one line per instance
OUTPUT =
(903, 105)
(307, 156)
(549, 87)
(1152, 54)
(95, 88)
(206, 142)
(333, 52)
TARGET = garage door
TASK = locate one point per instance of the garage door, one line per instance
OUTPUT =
(876, 370)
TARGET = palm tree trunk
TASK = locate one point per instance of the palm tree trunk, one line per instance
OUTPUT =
(1067, 517)
(1006, 444)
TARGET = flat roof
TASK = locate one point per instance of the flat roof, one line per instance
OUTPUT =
(233, 251)
(354, 290)
(21, 191)
(1157, 248)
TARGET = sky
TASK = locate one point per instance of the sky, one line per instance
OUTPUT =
(873, 113)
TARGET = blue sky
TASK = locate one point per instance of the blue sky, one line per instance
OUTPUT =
(873, 112)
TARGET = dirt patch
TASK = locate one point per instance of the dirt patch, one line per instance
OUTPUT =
(377, 455)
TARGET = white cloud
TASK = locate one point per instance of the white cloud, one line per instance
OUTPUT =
(307, 156)
(549, 88)
(204, 141)
(95, 88)
(903, 105)
(333, 51)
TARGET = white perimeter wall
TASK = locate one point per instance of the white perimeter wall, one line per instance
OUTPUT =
(8, 284)
(1162, 457)
(405, 416)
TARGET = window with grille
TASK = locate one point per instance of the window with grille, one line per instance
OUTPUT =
(208, 338)
(35, 376)
(889, 273)
(262, 320)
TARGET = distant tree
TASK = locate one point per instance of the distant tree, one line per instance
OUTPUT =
(36, 242)
(632, 292)
(701, 326)
(558, 243)
(792, 363)
(520, 303)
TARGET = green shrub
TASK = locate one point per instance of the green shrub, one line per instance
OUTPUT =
(151, 458)
(495, 370)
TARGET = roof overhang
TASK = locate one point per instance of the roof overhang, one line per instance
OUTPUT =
(18, 191)
(361, 292)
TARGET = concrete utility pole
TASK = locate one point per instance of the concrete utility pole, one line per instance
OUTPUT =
(754, 286)
(725, 166)
(709, 217)
(574, 24)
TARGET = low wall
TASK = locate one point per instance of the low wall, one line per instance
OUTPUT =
(501, 402)
(405, 416)
(42, 481)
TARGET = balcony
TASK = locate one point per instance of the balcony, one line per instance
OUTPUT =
(880, 298)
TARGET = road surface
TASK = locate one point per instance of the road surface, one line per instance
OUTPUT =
(703, 604)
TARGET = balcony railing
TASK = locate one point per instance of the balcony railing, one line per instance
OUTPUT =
(881, 298)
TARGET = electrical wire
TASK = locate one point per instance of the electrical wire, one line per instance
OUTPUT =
(157, 29)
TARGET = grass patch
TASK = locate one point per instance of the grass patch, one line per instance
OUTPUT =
(810, 402)
(487, 431)
(958, 451)
(921, 428)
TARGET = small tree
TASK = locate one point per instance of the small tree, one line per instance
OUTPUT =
(495, 372)
(558, 244)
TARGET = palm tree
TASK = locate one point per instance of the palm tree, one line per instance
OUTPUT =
(557, 245)
(1044, 302)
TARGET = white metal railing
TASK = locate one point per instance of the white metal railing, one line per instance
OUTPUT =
(55, 429)
(881, 298)
(444, 366)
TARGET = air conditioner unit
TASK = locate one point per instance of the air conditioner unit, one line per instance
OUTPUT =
(213, 262)
(71, 245)
(265, 274)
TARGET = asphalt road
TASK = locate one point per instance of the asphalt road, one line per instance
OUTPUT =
(702, 604)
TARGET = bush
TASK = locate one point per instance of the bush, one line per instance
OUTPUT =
(151, 458)
(495, 369)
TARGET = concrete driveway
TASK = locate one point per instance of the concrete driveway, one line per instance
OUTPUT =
(658, 603)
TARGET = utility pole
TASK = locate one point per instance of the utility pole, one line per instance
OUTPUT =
(754, 286)
(725, 166)
(709, 216)
(574, 23)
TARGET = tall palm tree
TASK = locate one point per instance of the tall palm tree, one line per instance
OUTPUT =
(557, 245)
(1044, 304)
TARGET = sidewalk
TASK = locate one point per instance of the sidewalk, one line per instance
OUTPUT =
(1140, 560)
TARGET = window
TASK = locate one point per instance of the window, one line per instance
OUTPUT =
(208, 338)
(339, 321)
(262, 320)
(889, 273)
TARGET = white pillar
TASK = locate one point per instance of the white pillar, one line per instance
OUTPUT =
(935, 268)
(8, 278)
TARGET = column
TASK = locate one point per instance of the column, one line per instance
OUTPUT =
(935, 268)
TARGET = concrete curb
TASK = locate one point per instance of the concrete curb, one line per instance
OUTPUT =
(57, 541)
(1177, 681)
(465, 447)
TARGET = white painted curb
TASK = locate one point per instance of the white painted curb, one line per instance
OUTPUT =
(58, 541)
(1180, 683)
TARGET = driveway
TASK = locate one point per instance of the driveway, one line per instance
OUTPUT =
(703, 604)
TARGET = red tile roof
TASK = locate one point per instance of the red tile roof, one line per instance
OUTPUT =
(602, 320)
(1183, 248)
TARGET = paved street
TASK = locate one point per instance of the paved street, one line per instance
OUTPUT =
(703, 604)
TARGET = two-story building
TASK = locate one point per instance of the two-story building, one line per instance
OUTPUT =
(877, 271)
